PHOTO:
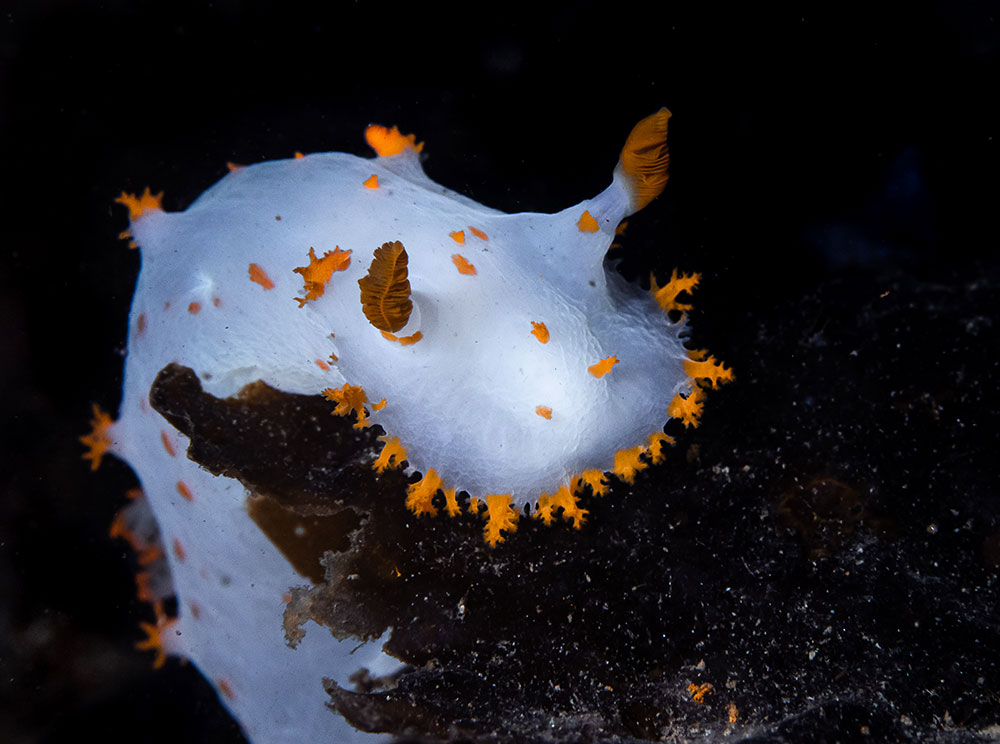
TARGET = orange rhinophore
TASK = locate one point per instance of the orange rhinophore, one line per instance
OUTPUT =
(645, 159)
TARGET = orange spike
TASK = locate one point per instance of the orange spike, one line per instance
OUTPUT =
(478, 233)
(540, 331)
(544, 411)
(392, 455)
(385, 289)
(388, 142)
(593, 478)
(688, 409)
(98, 441)
(140, 205)
(602, 367)
(420, 494)
(587, 223)
(463, 266)
(371, 182)
(500, 517)
(707, 369)
(318, 272)
(666, 296)
(349, 399)
(645, 159)
(259, 276)
(627, 463)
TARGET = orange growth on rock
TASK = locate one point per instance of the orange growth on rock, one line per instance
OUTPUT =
(349, 399)
(392, 455)
(544, 411)
(463, 266)
(587, 223)
(602, 367)
(318, 272)
(420, 494)
(666, 296)
(140, 205)
(540, 331)
(698, 692)
(385, 289)
(500, 517)
(259, 276)
(98, 441)
(388, 142)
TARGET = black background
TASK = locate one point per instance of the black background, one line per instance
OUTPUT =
(807, 143)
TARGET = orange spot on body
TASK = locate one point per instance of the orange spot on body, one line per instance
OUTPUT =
(217, 302)
(371, 182)
(140, 205)
(299, 155)
(195, 610)
(388, 142)
(179, 550)
(184, 490)
(463, 266)
(544, 411)
(233, 167)
(478, 233)
(458, 236)
(587, 223)
(259, 276)
(385, 289)
(540, 331)
(98, 441)
(225, 689)
(602, 367)
(167, 444)
(140, 324)
(500, 517)
(318, 272)
(322, 365)
(194, 308)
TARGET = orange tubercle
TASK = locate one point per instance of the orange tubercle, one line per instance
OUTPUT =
(544, 411)
(194, 308)
(388, 142)
(371, 182)
(167, 444)
(184, 490)
(420, 494)
(688, 409)
(458, 236)
(478, 233)
(98, 441)
(540, 331)
(259, 276)
(142, 204)
(319, 270)
(500, 517)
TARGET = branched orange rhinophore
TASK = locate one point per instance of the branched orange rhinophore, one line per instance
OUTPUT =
(318, 272)
(349, 398)
(500, 517)
(666, 296)
(385, 289)
(98, 441)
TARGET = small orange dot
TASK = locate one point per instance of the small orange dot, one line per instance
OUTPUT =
(184, 490)
(194, 308)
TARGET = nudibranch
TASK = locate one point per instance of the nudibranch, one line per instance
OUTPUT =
(499, 355)
(496, 351)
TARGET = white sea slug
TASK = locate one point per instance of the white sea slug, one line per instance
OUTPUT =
(496, 351)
